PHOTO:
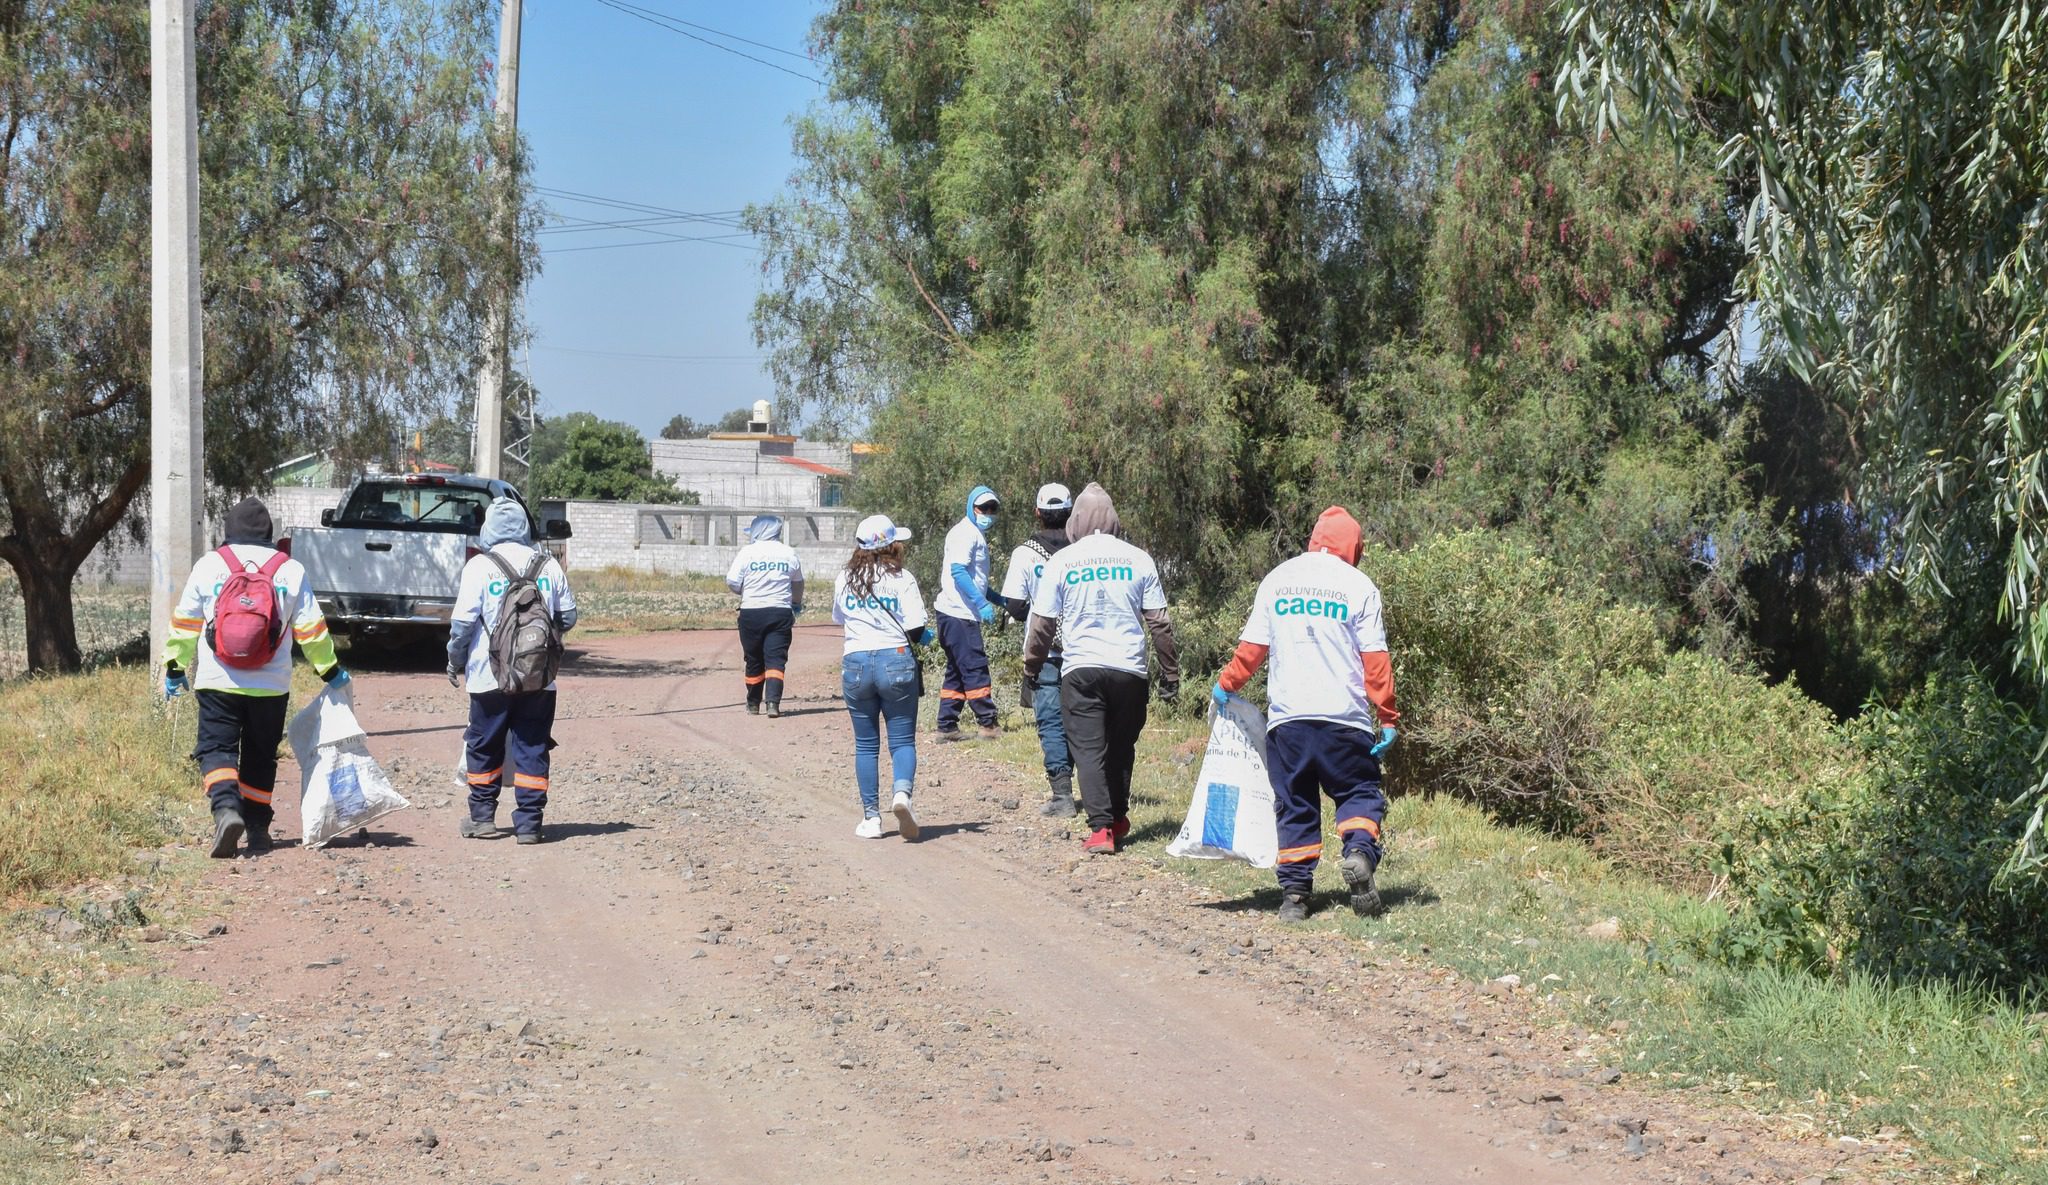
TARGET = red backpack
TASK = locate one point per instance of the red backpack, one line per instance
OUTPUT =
(247, 625)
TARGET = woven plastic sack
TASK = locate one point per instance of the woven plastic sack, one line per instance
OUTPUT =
(341, 787)
(1231, 814)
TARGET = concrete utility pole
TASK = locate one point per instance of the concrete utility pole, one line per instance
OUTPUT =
(490, 387)
(177, 371)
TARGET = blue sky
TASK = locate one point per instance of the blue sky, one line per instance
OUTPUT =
(619, 108)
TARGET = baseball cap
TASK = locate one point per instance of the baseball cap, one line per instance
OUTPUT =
(876, 531)
(1054, 496)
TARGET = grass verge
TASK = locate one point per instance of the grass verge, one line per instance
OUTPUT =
(93, 781)
(1957, 1070)
(621, 601)
(109, 617)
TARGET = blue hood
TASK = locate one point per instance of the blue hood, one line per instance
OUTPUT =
(764, 528)
(506, 522)
(977, 495)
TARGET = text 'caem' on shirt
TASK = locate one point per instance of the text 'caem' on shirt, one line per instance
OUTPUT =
(1317, 614)
(881, 619)
(1100, 588)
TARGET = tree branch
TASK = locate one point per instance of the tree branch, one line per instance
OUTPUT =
(104, 514)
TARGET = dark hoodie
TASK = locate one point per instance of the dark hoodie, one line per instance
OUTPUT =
(249, 523)
(1094, 514)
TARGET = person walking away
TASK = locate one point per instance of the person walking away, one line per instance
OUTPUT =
(1330, 708)
(880, 609)
(504, 643)
(243, 607)
(1101, 596)
(1020, 583)
(963, 607)
(770, 582)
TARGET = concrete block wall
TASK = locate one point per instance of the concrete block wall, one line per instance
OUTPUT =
(124, 560)
(694, 539)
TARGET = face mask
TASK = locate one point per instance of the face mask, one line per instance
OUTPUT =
(983, 521)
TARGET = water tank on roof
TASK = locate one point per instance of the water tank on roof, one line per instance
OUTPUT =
(760, 421)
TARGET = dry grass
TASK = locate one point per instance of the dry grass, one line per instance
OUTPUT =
(109, 618)
(620, 601)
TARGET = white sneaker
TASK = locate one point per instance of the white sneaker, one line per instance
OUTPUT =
(870, 828)
(906, 823)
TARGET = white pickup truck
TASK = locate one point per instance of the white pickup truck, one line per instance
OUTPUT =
(385, 563)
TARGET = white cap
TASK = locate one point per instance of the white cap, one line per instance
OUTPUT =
(1054, 496)
(876, 532)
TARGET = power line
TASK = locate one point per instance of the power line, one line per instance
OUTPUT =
(801, 57)
(667, 22)
(573, 225)
(717, 240)
(623, 204)
(655, 357)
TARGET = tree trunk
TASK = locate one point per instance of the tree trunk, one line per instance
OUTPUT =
(46, 556)
(52, 627)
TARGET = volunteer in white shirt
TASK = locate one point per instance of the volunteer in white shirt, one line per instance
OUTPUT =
(878, 604)
(1330, 708)
(1020, 583)
(963, 607)
(770, 582)
(1101, 596)
(504, 729)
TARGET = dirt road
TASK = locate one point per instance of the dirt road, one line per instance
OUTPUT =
(704, 977)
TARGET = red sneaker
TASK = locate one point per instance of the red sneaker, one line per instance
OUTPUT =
(1121, 827)
(1102, 843)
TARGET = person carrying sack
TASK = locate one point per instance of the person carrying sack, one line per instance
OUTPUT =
(770, 582)
(963, 607)
(505, 645)
(1020, 584)
(1330, 709)
(878, 605)
(243, 607)
(1102, 597)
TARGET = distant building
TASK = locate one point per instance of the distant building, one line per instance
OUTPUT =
(759, 469)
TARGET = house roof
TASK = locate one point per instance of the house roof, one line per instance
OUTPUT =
(818, 467)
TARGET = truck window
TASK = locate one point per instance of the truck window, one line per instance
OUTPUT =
(395, 505)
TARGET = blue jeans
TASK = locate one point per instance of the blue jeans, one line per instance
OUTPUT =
(1052, 726)
(881, 685)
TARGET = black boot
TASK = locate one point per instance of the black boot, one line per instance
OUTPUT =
(256, 838)
(1358, 868)
(1293, 906)
(774, 708)
(1061, 805)
(227, 832)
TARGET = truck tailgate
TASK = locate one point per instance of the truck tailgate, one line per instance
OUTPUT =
(351, 561)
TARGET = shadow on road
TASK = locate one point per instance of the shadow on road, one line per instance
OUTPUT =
(1266, 900)
(557, 832)
(930, 831)
(584, 663)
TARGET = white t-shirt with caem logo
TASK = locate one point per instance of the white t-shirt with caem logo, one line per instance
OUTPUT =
(763, 573)
(1099, 588)
(967, 547)
(482, 593)
(1020, 583)
(871, 622)
(1317, 614)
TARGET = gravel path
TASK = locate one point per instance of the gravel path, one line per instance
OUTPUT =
(704, 977)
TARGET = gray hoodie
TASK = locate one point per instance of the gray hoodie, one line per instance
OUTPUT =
(1095, 514)
(505, 522)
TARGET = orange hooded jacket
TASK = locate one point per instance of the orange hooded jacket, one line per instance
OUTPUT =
(1337, 533)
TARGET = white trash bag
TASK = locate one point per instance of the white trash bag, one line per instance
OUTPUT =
(1231, 816)
(341, 787)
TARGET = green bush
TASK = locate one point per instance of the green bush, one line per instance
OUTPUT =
(1896, 870)
(1530, 692)
(1685, 750)
(1498, 658)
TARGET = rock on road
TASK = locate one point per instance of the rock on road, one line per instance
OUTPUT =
(704, 977)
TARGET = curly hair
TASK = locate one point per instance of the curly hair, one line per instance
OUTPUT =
(868, 566)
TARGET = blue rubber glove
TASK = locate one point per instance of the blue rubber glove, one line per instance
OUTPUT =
(1221, 696)
(988, 613)
(174, 684)
(925, 636)
(1388, 735)
(336, 676)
